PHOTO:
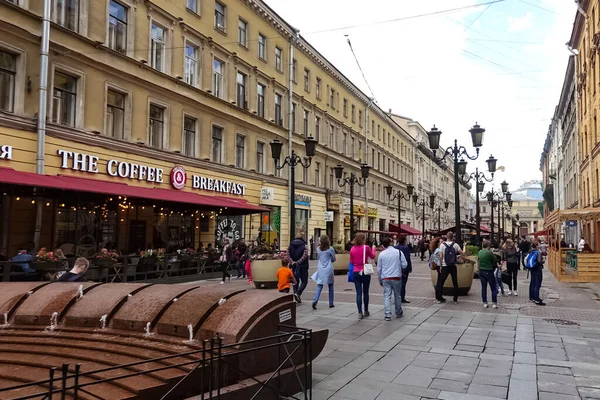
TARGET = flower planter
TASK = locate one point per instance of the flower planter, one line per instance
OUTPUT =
(104, 262)
(45, 265)
(465, 279)
(340, 267)
(264, 273)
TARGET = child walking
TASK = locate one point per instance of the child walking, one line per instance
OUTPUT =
(285, 276)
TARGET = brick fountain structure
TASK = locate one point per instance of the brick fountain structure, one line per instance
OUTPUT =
(151, 337)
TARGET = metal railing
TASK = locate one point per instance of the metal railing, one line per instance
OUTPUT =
(215, 359)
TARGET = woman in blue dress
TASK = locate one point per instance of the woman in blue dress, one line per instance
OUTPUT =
(324, 274)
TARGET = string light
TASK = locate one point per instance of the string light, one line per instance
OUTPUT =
(32, 201)
(48, 204)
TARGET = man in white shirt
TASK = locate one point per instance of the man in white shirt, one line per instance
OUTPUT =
(581, 244)
(449, 252)
(390, 264)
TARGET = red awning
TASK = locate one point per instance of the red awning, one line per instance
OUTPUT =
(539, 233)
(406, 229)
(484, 229)
(60, 182)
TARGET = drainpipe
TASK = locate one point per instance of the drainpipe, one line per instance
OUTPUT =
(367, 162)
(42, 111)
(291, 199)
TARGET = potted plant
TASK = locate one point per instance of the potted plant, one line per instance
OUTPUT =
(465, 269)
(265, 263)
(186, 254)
(45, 260)
(342, 260)
(106, 258)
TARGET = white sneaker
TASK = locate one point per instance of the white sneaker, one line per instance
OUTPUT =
(494, 306)
(515, 293)
(485, 305)
(222, 283)
(509, 292)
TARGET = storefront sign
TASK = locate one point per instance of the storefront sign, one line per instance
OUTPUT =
(267, 194)
(302, 200)
(6, 152)
(217, 185)
(178, 177)
(328, 217)
(228, 228)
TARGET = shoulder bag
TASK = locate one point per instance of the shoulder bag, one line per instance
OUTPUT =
(368, 268)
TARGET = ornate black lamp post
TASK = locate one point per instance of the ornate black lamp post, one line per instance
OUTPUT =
(311, 148)
(460, 167)
(351, 181)
(480, 179)
(400, 196)
(496, 199)
(424, 203)
(439, 210)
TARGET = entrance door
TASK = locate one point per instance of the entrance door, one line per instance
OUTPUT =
(137, 235)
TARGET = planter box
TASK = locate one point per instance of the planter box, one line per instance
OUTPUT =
(45, 265)
(465, 279)
(104, 262)
(264, 273)
(340, 267)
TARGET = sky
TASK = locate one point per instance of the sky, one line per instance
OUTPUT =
(501, 65)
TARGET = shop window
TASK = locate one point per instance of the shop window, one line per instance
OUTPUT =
(64, 99)
(8, 72)
(260, 157)
(66, 13)
(260, 101)
(270, 225)
(189, 136)
(117, 27)
(157, 126)
(301, 223)
(231, 227)
(241, 91)
(173, 232)
(218, 84)
(217, 144)
(190, 72)
(115, 114)
(240, 151)
(157, 47)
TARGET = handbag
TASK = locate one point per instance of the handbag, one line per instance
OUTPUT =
(350, 272)
(368, 268)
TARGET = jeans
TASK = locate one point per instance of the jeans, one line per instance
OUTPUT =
(361, 283)
(301, 275)
(392, 287)
(513, 271)
(241, 268)
(498, 276)
(224, 269)
(442, 276)
(318, 293)
(488, 278)
(535, 283)
(403, 288)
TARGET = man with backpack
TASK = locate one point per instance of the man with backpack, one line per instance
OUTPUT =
(524, 247)
(449, 251)
(298, 255)
(534, 263)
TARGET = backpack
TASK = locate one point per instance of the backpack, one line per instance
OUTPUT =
(531, 259)
(434, 260)
(450, 254)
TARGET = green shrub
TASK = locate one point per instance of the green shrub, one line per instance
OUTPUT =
(471, 250)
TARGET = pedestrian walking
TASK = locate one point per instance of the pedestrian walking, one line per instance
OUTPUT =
(225, 258)
(510, 255)
(404, 248)
(449, 252)
(422, 248)
(390, 265)
(359, 256)
(487, 263)
(535, 264)
(415, 245)
(324, 273)
(241, 255)
(298, 254)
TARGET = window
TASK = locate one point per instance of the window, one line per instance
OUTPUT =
(240, 151)
(372, 158)
(388, 138)
(360, 121)
(260, 157)
(293, 117)
(157, 125)
(352, 148)
(353, 114)
(345, 108)
(117, 27)
(331, 181)
(306, 80)
(192, 5)
(8, 72)
(373, 128)
(115, 114)
(64, 99)
(332, 98)
(378, 132)
(317, 174)
(243, 32)
(331, 141)
(344, 142)
(217, 142)
(219, 16)
(278, 61)
(190, 64)
(295, 71)
(189, 136)
(318, 88)
(260, 90)
(157, 48)
(218, 78)
(66, 13)
(317, 128)
(383, 135)
(241, 91)
(305, 118)
(278, 100)
(305, 175)
(262, 46)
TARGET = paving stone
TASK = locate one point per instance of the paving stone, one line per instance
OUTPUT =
(554, 370)
(405, 389)
(555, 387)
(416, 376)
(375, 375)
(464, 347)
(358, 392)
(522, 390)
(389, 395)
(524, 372)
(446, 385)
(493, 343)
(430, 360)
(455, 376)
(494, 380)
(589, 393)
(555, 396)
(493, 371)
(319, 394)
(498, 351)
(448, 395)
(525, 347)
(557, 378)
(488, 390)
(587, 382)
(525, 358)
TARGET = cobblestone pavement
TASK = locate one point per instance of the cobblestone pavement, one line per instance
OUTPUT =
(457, 351)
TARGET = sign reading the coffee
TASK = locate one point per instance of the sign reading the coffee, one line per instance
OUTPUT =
(6, 152)
(228, 228)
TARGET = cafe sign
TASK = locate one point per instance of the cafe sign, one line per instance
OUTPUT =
(6, 152)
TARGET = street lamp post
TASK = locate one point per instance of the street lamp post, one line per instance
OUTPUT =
(423, 203)
(400, 196)
(293, 160)
(439, 210)
(455, 152)
(480, 179)
(497, 199)
(351, 181)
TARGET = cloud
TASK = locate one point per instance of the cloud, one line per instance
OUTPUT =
(519, 24)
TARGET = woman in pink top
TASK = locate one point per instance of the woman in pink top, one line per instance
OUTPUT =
(360, 254)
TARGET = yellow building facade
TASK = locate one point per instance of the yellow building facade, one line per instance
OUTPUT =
(200, 84)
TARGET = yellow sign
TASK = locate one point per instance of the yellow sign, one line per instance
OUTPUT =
(360, 211)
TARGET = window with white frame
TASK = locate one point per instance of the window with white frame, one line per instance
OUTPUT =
(278, 101)
(344, 142)
(317, 174)
(157, 126)
(66, 13)
(294, 117)
(115, 114)
(331, 179)
(295, 71)
(192, 5)
(306, 80)
(353, 113)
(217, 144)
(241, 91)
(305, 119)
(242, 32)
(189, 136)
(218, 86)
(64, 99)
(352, 148)
(360, 121)
(260, 101)
(262, 46)
(190, 72)
(332, 98)
(345, 107)
(331, 139)
(8, 73)
(278, 59)
(117, 27)
(157, 47)
(240, 151)
(260, 157)
(318, 88)
(219, 16)
(317, 128)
